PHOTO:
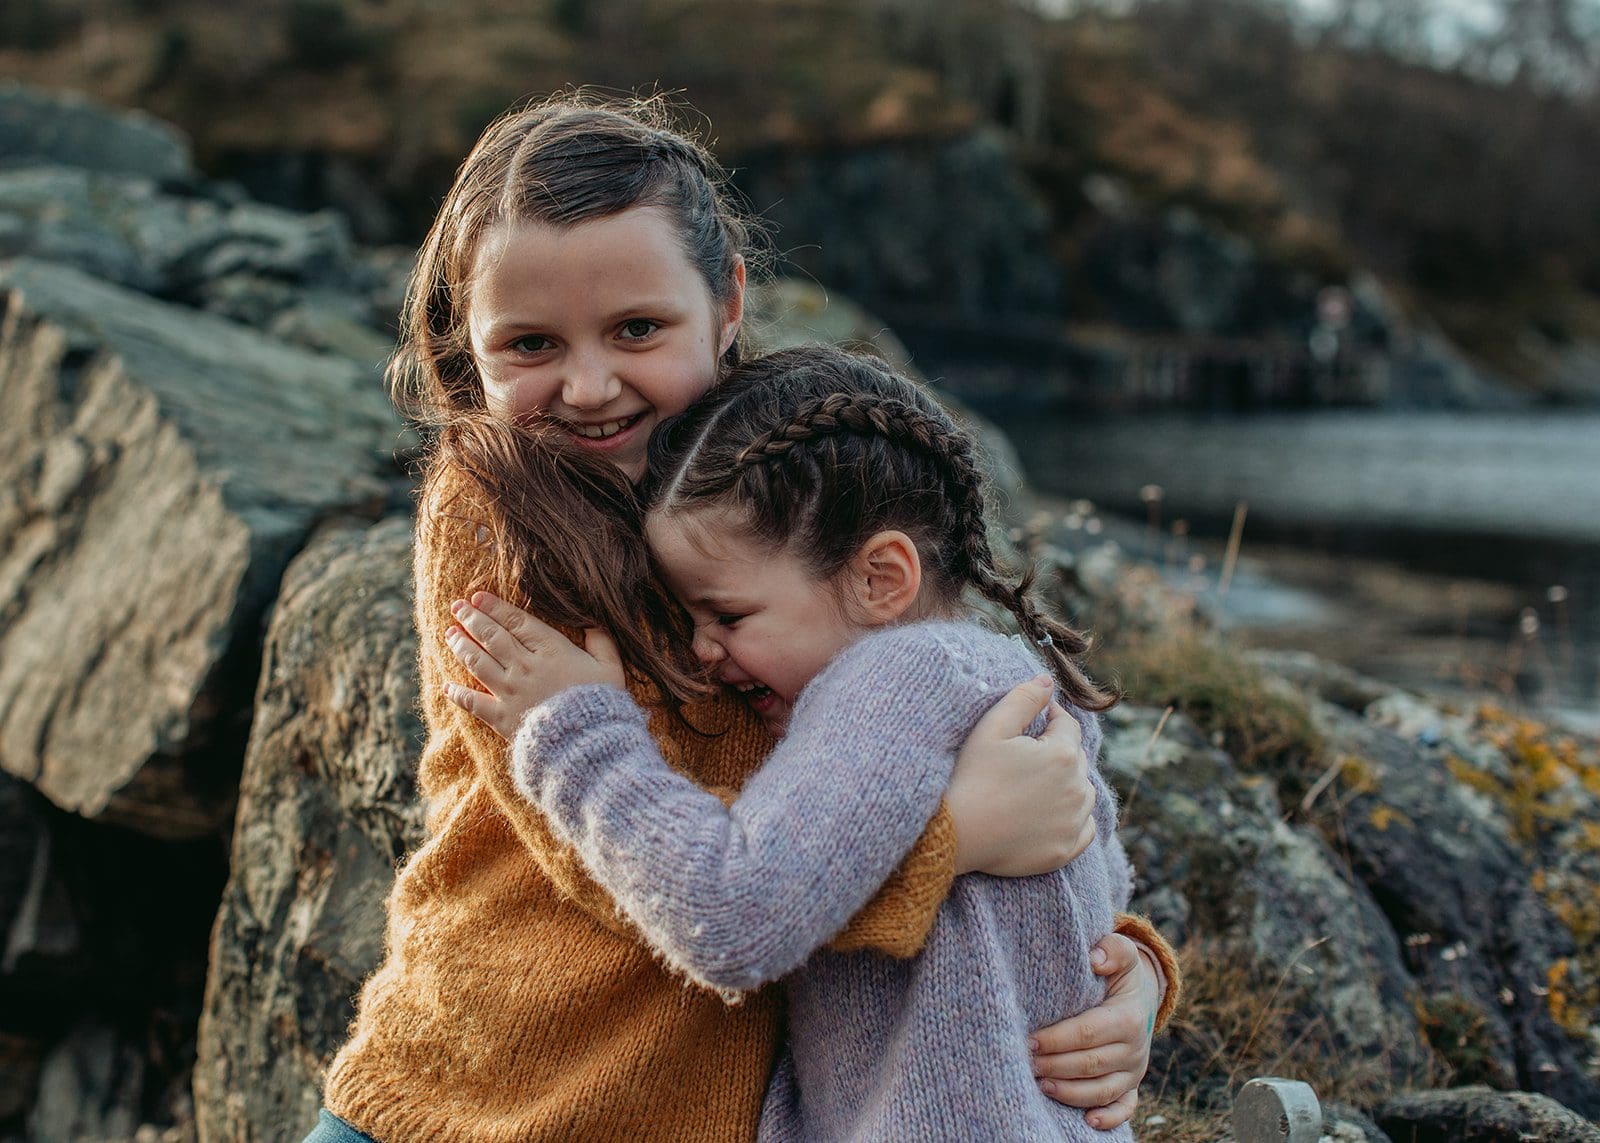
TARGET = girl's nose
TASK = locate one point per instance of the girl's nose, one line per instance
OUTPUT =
(707, 649)
(589, 384)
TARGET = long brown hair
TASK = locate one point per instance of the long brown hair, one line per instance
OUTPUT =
(562, 160)
(818, 449)
(563, 533)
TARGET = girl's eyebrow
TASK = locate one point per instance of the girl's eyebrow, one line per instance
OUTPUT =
(646, 308)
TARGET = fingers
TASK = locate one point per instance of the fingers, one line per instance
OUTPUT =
(469, 700)
(1102, 1092)
(1063, 730)
(1013, 714)
(486, 631)
(1109, 1027)
(1115, 1113)
(531, 632)
(1087, 1064)
(603, 647)
(480, 664)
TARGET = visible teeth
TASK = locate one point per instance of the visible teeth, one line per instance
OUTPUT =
(603, 430)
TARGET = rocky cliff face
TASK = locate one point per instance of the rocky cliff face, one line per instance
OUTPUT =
(199, 819)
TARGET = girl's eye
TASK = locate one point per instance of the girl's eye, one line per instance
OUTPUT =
(728, 620)
(638, 328)
(531, 343)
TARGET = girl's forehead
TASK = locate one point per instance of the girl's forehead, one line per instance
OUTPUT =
(632, 257)
(717, 535)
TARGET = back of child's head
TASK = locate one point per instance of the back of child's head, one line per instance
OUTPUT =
(566, 159)
(815, 450)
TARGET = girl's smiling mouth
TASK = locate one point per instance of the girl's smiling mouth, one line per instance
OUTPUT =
(604, 434)
(761, 699)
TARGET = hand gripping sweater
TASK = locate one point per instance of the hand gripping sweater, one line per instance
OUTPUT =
(929, 1048)
(513, 1002)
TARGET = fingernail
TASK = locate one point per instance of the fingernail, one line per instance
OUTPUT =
(1047, 1086)
(455, 608)
(477, 599)
(1097, 958)
(1094, 1121)
(1033, 1044)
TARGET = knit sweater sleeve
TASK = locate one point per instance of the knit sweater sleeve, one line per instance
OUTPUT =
(736, 896)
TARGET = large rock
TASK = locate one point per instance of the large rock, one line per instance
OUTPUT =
(1217, 861)
(298, 276)
(945, 229)
(1479, 1115)
(1441, 859)
(158, 469)
(61, 129)
(327, 808)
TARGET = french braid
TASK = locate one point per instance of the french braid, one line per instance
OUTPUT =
(820, 449)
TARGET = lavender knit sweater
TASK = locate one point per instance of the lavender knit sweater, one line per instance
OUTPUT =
(930, 1048)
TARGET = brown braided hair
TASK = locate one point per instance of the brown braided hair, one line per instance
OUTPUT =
(818, 449)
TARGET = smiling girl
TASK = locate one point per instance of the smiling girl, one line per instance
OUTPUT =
(586, 272)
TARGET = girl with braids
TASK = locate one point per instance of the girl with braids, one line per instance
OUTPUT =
(820, 517)
(584, 282)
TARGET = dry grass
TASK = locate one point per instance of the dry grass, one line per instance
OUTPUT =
(1239, 1020)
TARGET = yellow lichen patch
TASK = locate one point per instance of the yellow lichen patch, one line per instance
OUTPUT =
(1571, 1002)
(1545, 773)
(1358, 775)
(1383, 817)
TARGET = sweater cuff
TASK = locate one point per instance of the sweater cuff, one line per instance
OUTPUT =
(550, 735)
(1169, 977)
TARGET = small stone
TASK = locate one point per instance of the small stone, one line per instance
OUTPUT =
(1271, 1110)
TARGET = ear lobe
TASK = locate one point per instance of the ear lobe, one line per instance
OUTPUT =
(888, 574)
(733, 307)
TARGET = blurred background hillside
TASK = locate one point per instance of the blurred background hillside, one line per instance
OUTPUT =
(1374, 228)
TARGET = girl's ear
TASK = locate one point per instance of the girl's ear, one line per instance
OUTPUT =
(732, 308)
(885, 577)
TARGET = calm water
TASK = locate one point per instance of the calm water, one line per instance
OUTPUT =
(1510, 498)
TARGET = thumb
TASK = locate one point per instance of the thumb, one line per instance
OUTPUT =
(602, 647)
(1012, 715)
(1114, 955)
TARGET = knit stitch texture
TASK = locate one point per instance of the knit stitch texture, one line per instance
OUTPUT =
(929, 1048)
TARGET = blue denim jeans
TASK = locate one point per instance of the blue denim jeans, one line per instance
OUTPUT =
(331, 1129)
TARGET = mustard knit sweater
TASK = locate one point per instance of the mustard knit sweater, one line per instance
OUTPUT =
(514, 1002)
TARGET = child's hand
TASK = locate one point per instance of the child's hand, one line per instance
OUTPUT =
(1021, 805)
(1096, 1059)
(520, 661)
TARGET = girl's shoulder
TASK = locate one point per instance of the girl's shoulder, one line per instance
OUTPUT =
(953, 653)
(961, 659)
